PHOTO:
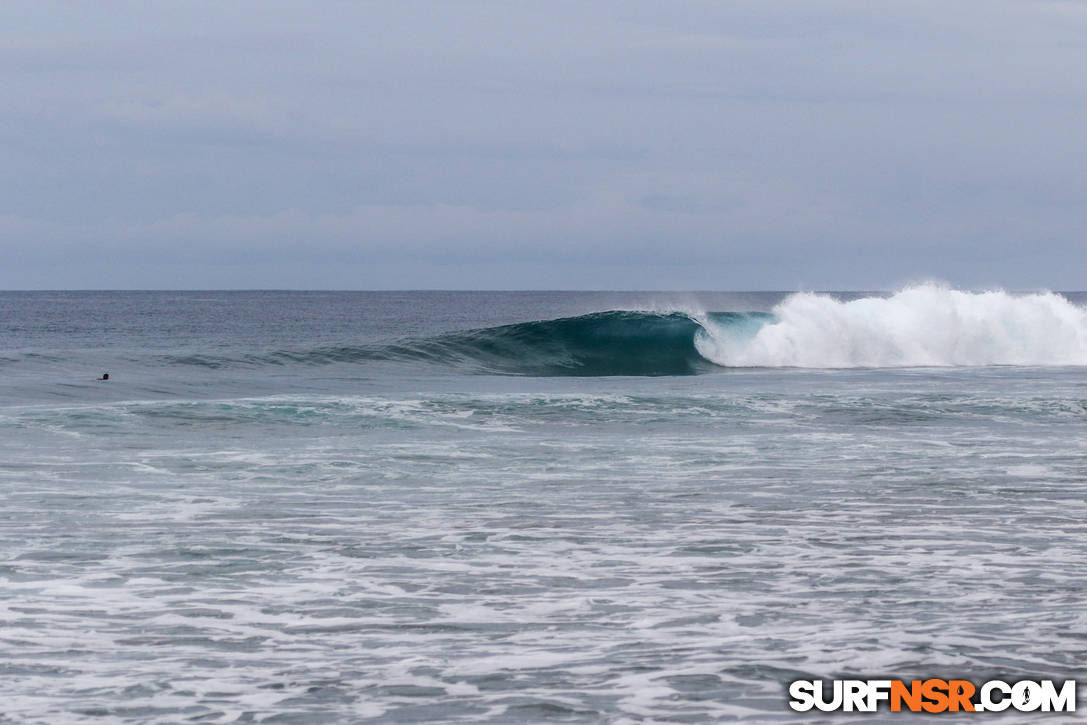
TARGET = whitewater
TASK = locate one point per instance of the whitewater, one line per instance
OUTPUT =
(524, 507)
(918, 326)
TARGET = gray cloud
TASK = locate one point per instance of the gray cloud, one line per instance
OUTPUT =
(612, 145)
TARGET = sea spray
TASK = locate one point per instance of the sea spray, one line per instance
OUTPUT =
(925, 325)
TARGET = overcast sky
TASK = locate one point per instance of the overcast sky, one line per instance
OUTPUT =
(592, 144)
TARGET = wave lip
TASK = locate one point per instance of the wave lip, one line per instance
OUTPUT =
(612, 343)
(924, 325)
(598, 344)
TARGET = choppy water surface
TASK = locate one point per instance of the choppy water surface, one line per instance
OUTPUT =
(337, 508)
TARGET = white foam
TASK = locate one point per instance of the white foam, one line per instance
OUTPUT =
(919, 326)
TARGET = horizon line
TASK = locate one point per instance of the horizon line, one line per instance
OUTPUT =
(990, 288)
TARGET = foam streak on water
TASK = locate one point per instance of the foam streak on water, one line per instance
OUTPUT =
(513, 557)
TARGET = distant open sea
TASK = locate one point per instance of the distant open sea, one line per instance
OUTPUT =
(416, 507)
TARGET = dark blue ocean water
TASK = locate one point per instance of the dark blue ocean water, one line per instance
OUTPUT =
(532, 507)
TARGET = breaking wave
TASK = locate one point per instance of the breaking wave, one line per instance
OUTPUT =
(926, 325)
(598, 344)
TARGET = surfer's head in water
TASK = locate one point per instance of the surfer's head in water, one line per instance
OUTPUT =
(105, 376)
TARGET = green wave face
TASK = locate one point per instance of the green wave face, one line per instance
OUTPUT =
(599, 344)
(604, 343)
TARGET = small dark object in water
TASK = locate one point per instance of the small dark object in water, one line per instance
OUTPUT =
(105, 376)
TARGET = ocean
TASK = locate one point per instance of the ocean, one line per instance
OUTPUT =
(416, 507)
